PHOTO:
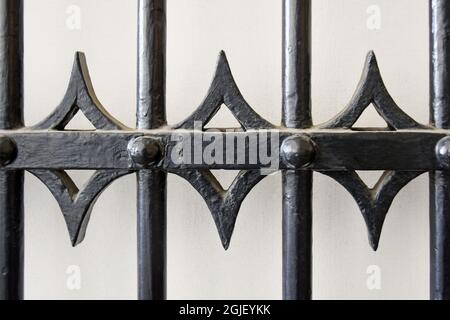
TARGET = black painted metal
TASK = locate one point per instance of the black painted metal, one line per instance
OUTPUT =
(297, 185)
(334, 149)
(405, 149)
(440, 180)
(11, 182)
(151, 114)
(224, 90)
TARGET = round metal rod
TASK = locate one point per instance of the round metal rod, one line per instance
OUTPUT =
(440, 180)
(151, 114)
(297, 185)
(11, 182)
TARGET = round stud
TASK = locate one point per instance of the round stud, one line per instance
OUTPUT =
(8, 151)
(145, 151)
(297, 152)
(443, 152)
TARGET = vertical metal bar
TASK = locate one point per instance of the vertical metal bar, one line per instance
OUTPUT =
(11, 182)
(297, 185)
(440, 180)
(151, 114)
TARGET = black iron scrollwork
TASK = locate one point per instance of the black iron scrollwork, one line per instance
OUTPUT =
(375, 202)
(76, 205)
(225, 204)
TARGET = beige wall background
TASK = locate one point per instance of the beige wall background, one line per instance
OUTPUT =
(250, 32)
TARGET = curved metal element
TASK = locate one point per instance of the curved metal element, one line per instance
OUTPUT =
(76, 205)
(80, 95)
(374, 202)
(224, 90)
(371, 89)
(223, 204)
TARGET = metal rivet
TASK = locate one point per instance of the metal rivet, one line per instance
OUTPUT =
(297, 152)
(145, 151)
(443, 152)
(8, 151)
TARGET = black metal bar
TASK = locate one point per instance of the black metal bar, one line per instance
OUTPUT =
(297, 196)
(440, 180)
(151, 114)
(11, 182)
(336, 149)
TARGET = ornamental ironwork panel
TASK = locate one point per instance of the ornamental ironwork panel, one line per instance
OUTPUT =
(405, 149)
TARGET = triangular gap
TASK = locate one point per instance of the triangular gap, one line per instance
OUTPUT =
(223, 119)
(370, 178)
(225, 177)
(371, 119)
(80, 177)
(80, 122)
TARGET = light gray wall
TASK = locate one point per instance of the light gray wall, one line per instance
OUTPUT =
(250, 32)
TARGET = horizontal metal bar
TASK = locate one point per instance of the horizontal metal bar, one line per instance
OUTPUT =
(332, 149)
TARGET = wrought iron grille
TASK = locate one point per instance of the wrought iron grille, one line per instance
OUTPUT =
(334, 148)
